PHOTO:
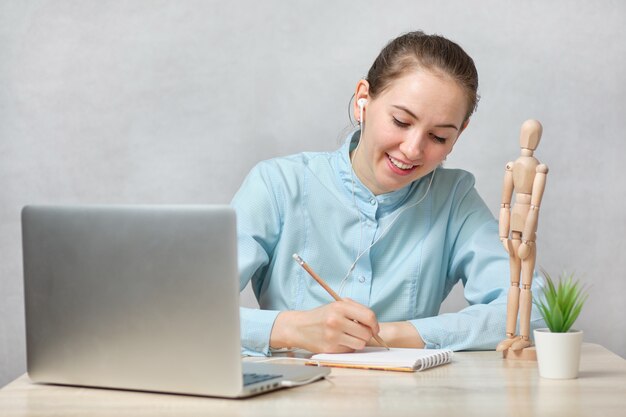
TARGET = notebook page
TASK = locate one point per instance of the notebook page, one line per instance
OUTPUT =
(395, 357)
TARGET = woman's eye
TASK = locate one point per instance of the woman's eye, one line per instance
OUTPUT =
(438, 139)
(399, 123)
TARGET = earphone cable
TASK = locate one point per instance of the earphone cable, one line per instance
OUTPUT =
(359, 253)
(383, 233)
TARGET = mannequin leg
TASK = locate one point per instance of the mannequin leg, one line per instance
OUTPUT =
(526, 302)
(514, 293)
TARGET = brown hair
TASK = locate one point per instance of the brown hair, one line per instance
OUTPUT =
(415, 50)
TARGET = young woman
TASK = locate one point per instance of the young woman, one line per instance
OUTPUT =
(379, 220)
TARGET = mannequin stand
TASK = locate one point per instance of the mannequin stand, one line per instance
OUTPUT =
(526, 354)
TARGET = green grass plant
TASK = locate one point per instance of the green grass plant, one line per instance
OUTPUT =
(560, 302)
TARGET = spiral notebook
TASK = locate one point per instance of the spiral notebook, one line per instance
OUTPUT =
(395, 359)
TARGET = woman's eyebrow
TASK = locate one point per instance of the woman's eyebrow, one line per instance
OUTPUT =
(404, 109)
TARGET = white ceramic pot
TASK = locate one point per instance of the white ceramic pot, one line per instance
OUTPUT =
(558, 354)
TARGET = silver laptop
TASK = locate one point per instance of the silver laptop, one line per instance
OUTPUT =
(141, 298)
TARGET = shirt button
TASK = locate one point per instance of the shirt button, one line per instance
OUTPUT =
(372, 201)
(361, 279)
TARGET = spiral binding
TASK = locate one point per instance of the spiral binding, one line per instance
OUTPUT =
(434, 360)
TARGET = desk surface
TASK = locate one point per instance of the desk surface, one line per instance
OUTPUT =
(475, 384)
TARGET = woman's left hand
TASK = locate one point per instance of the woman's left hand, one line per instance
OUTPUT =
(401, 334)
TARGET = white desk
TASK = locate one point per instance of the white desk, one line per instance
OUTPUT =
(475, 384)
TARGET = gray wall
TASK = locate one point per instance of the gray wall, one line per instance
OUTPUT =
(151, 101)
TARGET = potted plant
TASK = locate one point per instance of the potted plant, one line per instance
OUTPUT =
(558, 346)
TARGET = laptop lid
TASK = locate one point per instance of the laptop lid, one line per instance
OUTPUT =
(135, 297)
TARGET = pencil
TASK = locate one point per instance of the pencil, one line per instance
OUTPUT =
(329, 290)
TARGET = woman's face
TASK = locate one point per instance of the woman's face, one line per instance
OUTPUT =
(409, 129)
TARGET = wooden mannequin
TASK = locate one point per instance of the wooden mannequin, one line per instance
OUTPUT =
(518, 227)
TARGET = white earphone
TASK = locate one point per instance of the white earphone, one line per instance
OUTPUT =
(361, 103)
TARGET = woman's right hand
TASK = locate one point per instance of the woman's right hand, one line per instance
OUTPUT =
(341, 326)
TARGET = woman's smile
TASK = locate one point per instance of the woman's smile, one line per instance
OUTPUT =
(400, 167)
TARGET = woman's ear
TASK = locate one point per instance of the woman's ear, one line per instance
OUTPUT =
(463, 126)
(362, 92)
(465, 123)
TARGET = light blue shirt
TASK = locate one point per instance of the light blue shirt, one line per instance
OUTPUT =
(305, 204)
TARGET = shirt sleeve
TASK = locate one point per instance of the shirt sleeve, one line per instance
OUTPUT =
(258, 231)
(479, 261)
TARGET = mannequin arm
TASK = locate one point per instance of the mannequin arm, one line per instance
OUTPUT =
(504, 221)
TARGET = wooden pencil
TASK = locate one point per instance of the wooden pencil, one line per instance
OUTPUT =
(329, 290)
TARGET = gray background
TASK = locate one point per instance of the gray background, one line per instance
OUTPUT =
(151, 101)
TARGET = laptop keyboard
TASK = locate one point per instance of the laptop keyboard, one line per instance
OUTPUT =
(253, 378)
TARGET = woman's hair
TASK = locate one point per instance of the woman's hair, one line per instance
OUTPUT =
(416, 50)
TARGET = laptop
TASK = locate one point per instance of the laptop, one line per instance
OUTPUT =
(140, 298)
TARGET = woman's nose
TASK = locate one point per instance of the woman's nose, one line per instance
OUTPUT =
(412, 147)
